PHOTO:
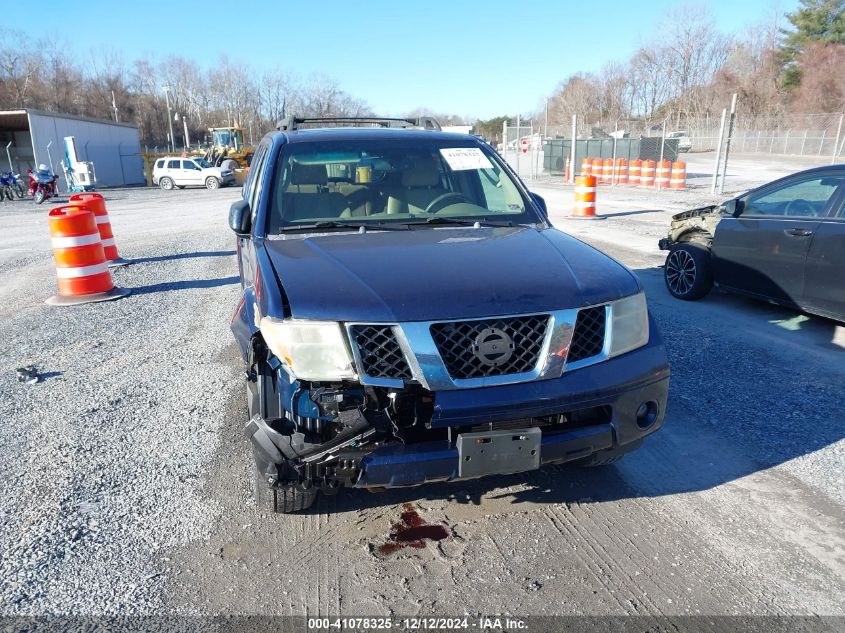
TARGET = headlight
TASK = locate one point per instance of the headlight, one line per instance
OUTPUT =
(629, 324)
(312, 350)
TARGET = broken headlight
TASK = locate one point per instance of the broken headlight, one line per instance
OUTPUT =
(628, 324)
(311, 350)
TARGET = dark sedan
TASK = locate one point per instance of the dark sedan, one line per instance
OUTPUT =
(783, 242)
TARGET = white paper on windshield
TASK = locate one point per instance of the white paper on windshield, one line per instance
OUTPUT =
(464, 158)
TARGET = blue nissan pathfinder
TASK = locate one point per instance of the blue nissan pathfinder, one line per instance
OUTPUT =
(408, 315)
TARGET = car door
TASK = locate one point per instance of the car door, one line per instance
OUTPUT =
(824, 273)
(174, 171)
(191, 173)
(762, 249)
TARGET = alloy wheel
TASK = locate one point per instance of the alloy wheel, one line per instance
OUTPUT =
(680, 272)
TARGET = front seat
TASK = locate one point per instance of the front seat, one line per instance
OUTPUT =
(308, 197)
(420, 185)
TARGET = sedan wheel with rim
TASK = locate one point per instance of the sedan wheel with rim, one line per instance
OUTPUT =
(212, 183)
(687, 271)
(166, 184)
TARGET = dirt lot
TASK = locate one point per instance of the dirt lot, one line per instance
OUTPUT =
(125, 484)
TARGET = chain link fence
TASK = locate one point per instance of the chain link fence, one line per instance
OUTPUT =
(535, 149)
(787, 134)
(522, 147)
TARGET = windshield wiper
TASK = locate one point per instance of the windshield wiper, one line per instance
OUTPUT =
(459, 222)
(332, 224)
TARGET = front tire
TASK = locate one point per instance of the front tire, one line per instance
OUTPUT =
(283, 498)
(688, 273)
(19, 190)
(166, 183)
(39, 197)
(212, 183)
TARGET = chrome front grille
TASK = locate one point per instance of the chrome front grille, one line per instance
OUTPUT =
(588, 337)
(379, 352)
(491, 347)
(465, 354)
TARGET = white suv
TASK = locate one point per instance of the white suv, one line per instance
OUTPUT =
(184, 172)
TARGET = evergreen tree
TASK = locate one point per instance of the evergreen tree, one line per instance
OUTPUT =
(814, 21)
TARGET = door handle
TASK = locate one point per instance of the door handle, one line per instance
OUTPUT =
(799, 232)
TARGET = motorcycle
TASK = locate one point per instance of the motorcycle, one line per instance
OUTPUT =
(42, 184)
(11, 185)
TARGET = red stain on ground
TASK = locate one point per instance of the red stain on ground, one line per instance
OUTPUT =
(412, 531)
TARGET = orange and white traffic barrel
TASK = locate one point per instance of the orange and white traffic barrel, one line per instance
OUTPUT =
(82, 272)
(607, 171)
(634, 172)
(585, 199)
(664, 168)
(679, 175)
(566, 173)
(97, 204)
(596, 169)
(621, 171)
(647, 173)
(586, 165)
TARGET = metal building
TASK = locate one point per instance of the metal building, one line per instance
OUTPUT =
(33, 137)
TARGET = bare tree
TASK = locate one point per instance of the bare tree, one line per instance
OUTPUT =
(580, 94)
(694, 49)
(822, 87)
(277, 93)
(751, 70)
(20, 65)
(652, 86)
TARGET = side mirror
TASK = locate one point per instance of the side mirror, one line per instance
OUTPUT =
(731, 207)
(240, 218)
(540, 202)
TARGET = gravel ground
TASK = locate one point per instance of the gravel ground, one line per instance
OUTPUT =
(103, 459)
(125, 483)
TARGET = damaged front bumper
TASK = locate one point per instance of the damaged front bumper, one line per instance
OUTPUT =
(696, 223)
(609, 406)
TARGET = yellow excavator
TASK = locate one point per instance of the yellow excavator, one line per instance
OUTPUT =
(227, 143)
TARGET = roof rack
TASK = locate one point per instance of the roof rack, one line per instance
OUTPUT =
(291, 123)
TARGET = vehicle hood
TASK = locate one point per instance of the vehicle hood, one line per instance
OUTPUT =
(449, 273)
(697, 212)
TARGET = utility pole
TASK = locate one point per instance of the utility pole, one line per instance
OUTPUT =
(613, 171)
(169, 118)
(718, 152)
(662, 150)
(572, 153)
(176, 117)
(836, 142)
(728, 142)
(114, 107)
(546, 122)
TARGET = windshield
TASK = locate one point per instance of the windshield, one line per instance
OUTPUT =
(393, 181)
(226, 137)
(202, 163)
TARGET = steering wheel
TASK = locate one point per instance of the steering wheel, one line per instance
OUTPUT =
(800, 207)
(439, 200)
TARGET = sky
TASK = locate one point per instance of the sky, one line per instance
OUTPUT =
(474, 58)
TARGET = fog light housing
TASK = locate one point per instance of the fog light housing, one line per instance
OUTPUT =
(647, 414)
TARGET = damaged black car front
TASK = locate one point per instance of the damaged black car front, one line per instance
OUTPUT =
(408, 315)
